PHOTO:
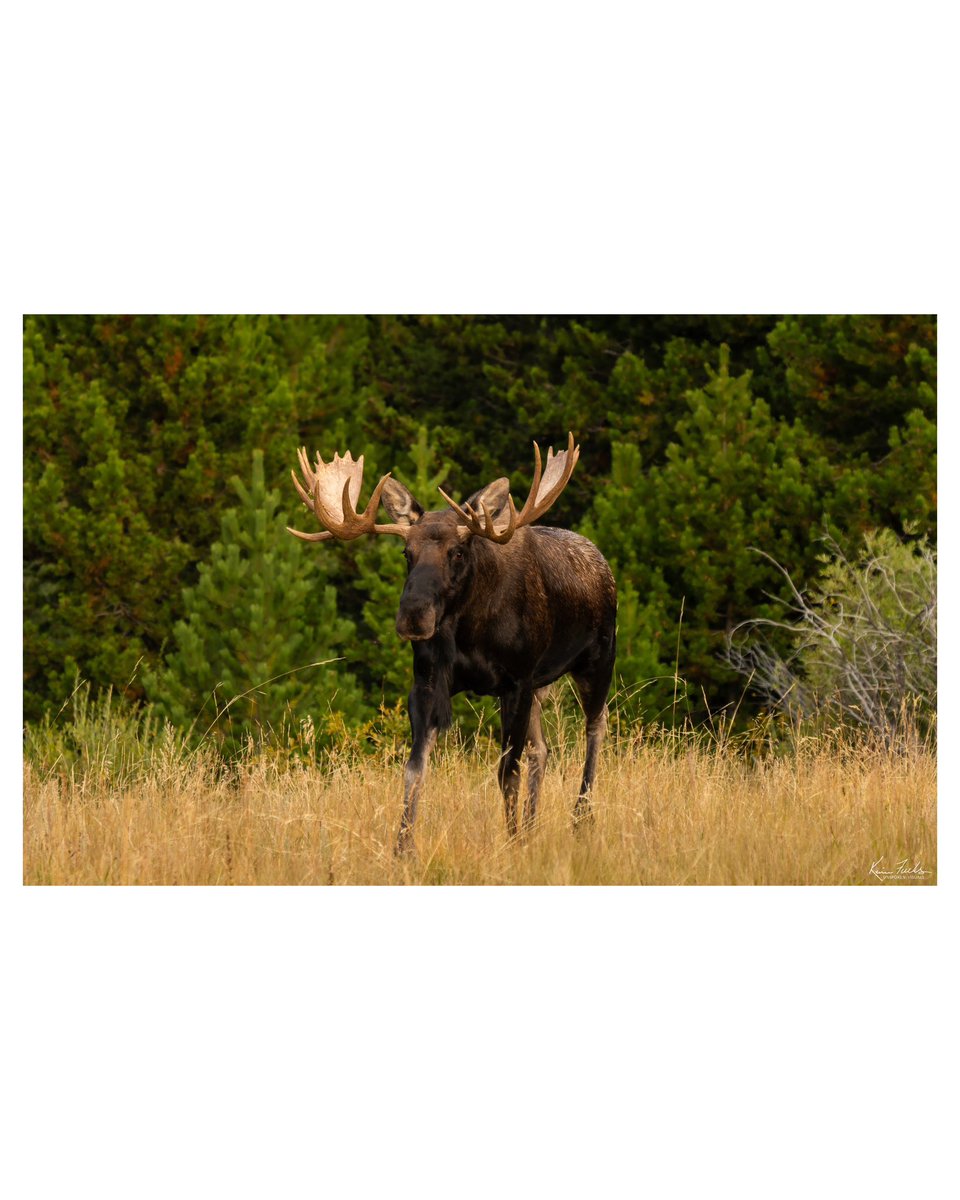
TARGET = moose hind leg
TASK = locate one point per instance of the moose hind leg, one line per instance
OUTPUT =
(593, 676)
(537, 753)
(596, 728)
(514, 721)
(593, 688)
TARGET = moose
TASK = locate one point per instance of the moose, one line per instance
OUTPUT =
(493, 604)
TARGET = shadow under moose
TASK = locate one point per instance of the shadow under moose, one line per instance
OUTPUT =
(493, 605)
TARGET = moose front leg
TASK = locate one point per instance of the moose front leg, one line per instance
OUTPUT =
(424, 739)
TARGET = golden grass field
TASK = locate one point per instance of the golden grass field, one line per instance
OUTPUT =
(669, 810)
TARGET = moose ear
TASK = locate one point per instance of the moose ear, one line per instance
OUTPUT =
(400, 504)
(493, 497)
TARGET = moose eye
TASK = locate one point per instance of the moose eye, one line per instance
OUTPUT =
(456, 553)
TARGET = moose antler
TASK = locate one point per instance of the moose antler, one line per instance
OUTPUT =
(546, 487)
(331, 494)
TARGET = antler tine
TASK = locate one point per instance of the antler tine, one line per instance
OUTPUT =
(506, 534)
(308, 472)
(324, 536)
(469, 519)
(304, 495)
(310, 476)
(525, 517)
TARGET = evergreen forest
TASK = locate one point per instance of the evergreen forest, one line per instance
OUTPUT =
(726, 462)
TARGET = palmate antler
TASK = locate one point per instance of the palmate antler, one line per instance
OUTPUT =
(333, 489)
(331, 494)
(545, 489)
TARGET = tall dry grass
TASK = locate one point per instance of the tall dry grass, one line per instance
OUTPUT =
(670, 809)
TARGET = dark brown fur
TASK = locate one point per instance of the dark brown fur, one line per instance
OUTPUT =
(501, 620)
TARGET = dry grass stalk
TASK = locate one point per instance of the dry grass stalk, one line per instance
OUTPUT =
(668, 811)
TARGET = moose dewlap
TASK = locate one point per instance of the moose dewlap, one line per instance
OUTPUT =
(493, 605)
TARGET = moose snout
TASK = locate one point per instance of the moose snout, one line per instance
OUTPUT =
(418, 612)
(417, 624)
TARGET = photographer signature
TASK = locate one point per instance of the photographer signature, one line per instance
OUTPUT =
(902, 870)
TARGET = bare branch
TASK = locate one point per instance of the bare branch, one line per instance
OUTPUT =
(863, 643)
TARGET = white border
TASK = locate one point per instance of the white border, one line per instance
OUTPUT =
(205, 157)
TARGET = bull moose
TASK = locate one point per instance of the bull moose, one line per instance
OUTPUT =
(492, 604)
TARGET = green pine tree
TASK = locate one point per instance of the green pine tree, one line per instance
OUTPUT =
(134, 424)
(256, 625)
(132, 427)
(851, 379)
(686, 532)
(646, 620)
(97, 574)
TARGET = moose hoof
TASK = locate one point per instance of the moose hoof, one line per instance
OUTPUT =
(582, 816)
